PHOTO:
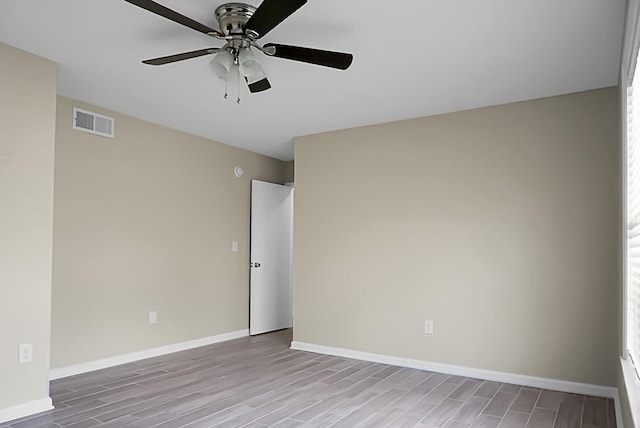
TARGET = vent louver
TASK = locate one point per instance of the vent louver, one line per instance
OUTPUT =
(93, 123)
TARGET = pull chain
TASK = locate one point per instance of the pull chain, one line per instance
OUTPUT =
(238, 100)
(226, 92)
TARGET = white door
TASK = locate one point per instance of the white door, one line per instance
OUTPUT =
(271, 295)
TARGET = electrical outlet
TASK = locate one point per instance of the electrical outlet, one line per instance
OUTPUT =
(25, 353)
(153, 317)
(428, 326)
(234, 246)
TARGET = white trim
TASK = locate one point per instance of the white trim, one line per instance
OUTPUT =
(628, 70)
(25, 409)
(629, 48)
(618, 406)
(632, 386)
(538, 382)
(141, 355)
(623, 200)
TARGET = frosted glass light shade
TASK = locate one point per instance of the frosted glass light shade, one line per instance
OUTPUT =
(222, 64)
(256, 77)
(249, 65)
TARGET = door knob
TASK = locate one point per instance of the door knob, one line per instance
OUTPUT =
(256, 264)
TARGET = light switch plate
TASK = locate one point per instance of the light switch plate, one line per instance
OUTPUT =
(428, 326)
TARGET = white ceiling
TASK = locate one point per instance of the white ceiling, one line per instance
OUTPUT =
(412, 58)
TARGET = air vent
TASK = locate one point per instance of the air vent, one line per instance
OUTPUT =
(93, 123)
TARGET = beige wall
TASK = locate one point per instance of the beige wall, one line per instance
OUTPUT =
(289, 171)
(27, 121)
(500, 224)
(145, 222)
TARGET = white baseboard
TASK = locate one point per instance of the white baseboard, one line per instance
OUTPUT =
(141, 355)
(619, 419)
(537, 382)
(25, 409)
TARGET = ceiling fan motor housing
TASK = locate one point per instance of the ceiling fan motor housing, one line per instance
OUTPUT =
(233, 16)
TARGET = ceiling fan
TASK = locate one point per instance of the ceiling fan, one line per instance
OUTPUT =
(241, 26)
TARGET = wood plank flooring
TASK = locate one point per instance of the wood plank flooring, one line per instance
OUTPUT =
(259, 382)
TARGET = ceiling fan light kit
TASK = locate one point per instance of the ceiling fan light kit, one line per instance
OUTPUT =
(222, 64)
(241, 26)
(249, 65)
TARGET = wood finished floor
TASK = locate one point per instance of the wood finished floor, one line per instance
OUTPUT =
(259, 382)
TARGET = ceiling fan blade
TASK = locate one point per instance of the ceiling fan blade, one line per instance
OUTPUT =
(180, 57)
(258, 85)
(269, 14)
(172, 15)
(337, 60)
